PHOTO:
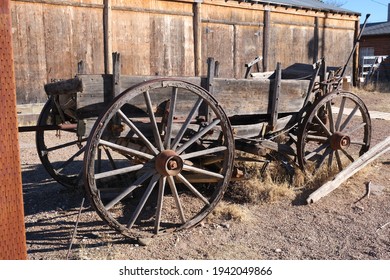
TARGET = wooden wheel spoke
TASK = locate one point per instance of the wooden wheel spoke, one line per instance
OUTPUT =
(160, 201)
(323, 126)
(119, 171)
(355, 128)
(338, 159)
(202, 171)
(349, 118)
(129, 189)
(172, 185)
(348, 155)
(330, 117)
(340, 114)
(197, 136)
(204, 152)
(70, 160)
(172, 107)
(109, 156)
(66, 145)
(358, 143)
(192, 189)
(126, 150)
(153, 121)
(143, 200)
(138, 133)
(330, 159)
(183, 129)
(316, 151)
(326, 153)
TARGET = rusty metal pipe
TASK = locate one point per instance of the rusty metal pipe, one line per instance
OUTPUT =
(71, 126)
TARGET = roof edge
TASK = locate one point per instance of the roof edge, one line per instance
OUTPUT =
(300, 6)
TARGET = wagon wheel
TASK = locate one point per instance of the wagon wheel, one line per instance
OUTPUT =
(161, 170)
(52, 145)
(334, 133)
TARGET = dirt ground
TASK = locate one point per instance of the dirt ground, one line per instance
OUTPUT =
(346, 224)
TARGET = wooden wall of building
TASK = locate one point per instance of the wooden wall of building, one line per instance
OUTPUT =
(168, 38)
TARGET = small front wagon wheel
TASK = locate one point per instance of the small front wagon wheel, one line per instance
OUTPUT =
(153, 164)
(334, 133)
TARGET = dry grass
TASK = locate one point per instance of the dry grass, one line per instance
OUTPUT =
(277, 182)
(230, 211)
(377, 87)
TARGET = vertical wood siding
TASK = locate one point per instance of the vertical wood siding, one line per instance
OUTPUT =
(158, 38)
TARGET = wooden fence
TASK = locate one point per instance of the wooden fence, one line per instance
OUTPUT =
(168, 38)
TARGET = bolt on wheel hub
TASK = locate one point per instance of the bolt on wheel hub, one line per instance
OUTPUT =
(169, 163)
(339, 141)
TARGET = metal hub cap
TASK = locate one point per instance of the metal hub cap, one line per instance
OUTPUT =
(339, 141)
(168, 163)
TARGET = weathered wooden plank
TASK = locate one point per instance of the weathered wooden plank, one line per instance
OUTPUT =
(354, 167)
(218, 42)
(97, 90)
(236, 96)
(248, 46)
(94, 95)
(71, 86)
(29, 55)
(245, 96)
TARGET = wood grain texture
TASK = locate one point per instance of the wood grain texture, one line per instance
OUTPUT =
(168, 38)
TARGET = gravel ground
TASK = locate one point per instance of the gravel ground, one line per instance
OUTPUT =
(339, 226)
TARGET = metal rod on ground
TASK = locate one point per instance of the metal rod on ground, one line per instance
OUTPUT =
(75, 228)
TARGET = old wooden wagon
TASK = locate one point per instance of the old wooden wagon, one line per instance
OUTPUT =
(156, 154)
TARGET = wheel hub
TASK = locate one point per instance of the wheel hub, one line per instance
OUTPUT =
(169, 163)
(339, 141)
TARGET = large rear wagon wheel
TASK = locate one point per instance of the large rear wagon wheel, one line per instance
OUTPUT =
(152, 165)
(334, 133)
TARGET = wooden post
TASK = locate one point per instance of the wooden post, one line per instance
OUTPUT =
(316, 39)
(204, 108)
(266, 42)
(355, 63)
(198, 37)
(116, 77)
(81, 67)
(275, 96)
(107, 23)
(353, 168)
